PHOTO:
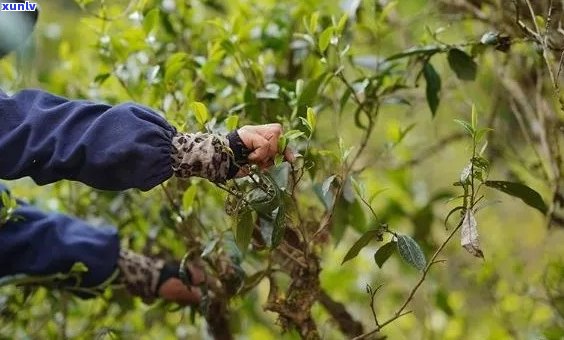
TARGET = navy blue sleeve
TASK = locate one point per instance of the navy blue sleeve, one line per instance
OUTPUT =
(50, 138)
(39, 243)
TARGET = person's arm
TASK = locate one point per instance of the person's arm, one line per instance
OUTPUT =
(36, 243)
(39, 244)
(50, 138)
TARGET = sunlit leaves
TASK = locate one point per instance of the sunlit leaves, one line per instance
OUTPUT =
(521, 191)
(174, 64)
(325, 38)
(433, 87)
(462, 64)
(313, 22)
(469, 237)
(293, 134)
(200, 112)
(151, 20)
(410, 251)
(232, 122)
(188, 198)
(311, 118)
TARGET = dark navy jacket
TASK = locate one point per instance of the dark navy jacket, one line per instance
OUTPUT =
(50, 138)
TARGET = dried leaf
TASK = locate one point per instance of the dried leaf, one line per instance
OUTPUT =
(469, 238)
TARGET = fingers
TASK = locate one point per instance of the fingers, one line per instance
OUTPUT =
(261, 149)
(262, 140)
(174, 290)
(271, 132)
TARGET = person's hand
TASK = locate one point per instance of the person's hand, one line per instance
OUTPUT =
(175, 290)
(262, 141)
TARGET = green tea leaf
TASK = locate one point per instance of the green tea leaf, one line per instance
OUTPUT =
(101, 78)
(243, 229)
(466, 126)
(200, 112)
(325, 38)
(282, 143)
(231, 122)
(311, 118)
(174, 64)
(150, 20)
(410, 251)
(384, 252)
(462, 64)
(433, 87)
(279, 225)
(526, 194)
(313, 22)
(188, 198)
(293, 134)
(78, 267)
(374, 234)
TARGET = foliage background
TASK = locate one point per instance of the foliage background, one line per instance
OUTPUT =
(132, 56)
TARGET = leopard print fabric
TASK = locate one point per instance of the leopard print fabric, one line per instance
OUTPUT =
(202, 154)
(139, 274)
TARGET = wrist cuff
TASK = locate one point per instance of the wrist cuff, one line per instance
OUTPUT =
(240, 153)
(170, 270)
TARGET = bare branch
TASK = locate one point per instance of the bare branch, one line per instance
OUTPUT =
(401, 310)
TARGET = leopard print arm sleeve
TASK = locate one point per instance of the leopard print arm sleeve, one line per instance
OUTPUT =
(206, 155)
(140, 274)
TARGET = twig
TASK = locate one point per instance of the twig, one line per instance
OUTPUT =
(372, 297)
(401, 310)
(543, 42)
(365, 335)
